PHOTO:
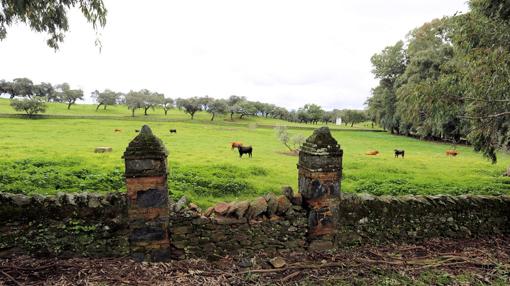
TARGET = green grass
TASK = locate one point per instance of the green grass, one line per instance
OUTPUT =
(52, 155)
(120, 112)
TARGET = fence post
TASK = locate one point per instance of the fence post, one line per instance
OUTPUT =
(147, 192)
(320, 171)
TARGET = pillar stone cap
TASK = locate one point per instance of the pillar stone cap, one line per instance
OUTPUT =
(321, 143)
(320, 153)
(145, 145)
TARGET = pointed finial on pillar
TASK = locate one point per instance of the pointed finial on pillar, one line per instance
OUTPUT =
(147, 192)
(320, 170)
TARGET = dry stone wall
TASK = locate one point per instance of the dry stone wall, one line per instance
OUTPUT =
(64, 225)
(97, 225)
(372, 219)
(269, 223)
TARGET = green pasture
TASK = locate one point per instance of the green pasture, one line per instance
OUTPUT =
(56, 155)
(121, 112)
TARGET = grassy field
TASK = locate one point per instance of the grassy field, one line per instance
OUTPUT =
(56, 155)
(120, 112)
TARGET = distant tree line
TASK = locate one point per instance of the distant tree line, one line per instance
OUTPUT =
(450, 80)
(30, 98)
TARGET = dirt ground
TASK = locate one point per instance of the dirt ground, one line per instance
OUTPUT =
(435, 262)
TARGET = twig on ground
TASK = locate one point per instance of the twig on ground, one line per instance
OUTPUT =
(10, 278)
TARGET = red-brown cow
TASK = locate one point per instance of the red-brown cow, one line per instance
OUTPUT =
(236, 144)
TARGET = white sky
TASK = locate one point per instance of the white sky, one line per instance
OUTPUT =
(284, 52)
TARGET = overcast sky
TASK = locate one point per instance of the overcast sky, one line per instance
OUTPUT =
(284, 52)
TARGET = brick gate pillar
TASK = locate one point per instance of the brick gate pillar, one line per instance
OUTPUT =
(147, 192)
(320, 171)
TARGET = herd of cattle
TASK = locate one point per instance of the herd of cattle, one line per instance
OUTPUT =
(398, 153)
(249, 149)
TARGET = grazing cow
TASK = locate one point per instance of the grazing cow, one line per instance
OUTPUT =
(236, 144)
(173, 131)
(117, 130)
(373, 152)
(399, 152)
(245, 150)
(452, 153)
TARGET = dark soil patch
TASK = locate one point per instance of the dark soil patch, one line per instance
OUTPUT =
(435, 262)
(289, 153)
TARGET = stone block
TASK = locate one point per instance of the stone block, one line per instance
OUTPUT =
(103, 149)
(152, 198)
(148, 233)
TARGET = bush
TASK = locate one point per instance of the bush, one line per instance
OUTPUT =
(30, 106)
(48, 177)
(216, 180)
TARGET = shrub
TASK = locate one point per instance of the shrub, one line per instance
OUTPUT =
(30, 106)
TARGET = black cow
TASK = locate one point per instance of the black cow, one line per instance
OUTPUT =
(399, 152)
(245, 150)
(173, 131)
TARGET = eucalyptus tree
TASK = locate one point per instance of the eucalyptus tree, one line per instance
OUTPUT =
(388, 65)
(429, 99)
(49, 16)
(483, 47)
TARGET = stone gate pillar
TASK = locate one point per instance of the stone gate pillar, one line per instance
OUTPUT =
(147, 191)
(320, 171)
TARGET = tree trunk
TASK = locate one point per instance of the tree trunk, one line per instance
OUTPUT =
(212, 118)
(287, 145)
(145, 110)
(241, 117)
(231, 115)
(192, 115)
(69, 105)
(352, 124)
(104, 108)
(133, 112)
(98, 106)
(166, 111)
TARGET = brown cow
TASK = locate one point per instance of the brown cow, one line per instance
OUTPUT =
(373, 152)
(452, 153)
(236, 144)
(117, 130)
